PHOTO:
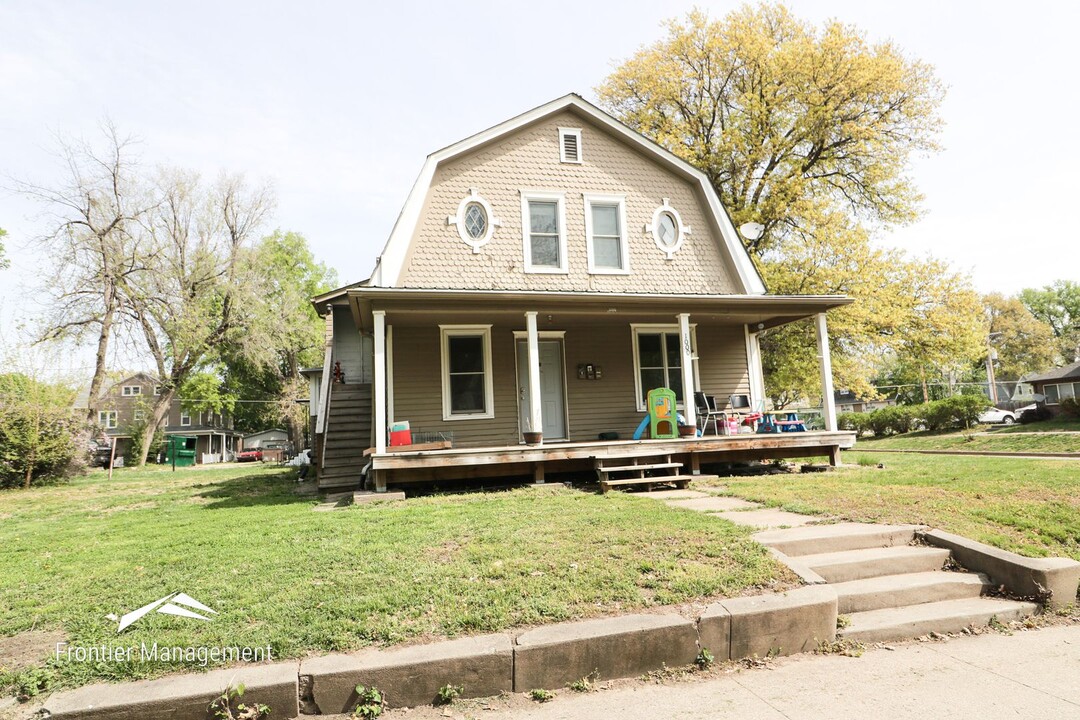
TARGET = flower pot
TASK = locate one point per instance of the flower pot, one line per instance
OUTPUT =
(687, 430)
(533, 438)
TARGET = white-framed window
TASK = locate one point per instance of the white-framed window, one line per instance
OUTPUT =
(107, 419)
(139, 414)
(185, 418)
(658, 360)
(157, 390)
(130, 390)
(475, 220)
(605, 234)
(570, 145)
(1060, 391)
(467, 390)
(543, 222)
(667, 229)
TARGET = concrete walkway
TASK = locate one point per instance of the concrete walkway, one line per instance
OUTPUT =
(740, 512)
(1033, 674)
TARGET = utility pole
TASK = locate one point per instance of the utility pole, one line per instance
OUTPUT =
(991, 382)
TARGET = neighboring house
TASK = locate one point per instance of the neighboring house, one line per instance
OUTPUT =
(273, 438)
(847, 401)
(542, 277)
(126, 404)
(1055, 385)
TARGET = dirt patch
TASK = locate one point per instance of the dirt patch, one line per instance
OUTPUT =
(28, 648)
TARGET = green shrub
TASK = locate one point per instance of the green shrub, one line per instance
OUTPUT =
(894, 420)
(1035, 414)
(1070, 408)
(857, 421)
(958, 410)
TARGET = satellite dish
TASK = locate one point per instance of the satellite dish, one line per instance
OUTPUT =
(751, 230)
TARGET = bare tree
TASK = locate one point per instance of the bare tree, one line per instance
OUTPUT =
(90, 242)
(196, 295)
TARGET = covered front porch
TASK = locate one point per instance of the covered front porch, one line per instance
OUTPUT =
(403, 466)
(515, 380)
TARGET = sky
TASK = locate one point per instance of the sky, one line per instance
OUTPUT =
(337, 104)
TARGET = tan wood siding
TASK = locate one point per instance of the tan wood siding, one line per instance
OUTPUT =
(528, 160)
(594, 406)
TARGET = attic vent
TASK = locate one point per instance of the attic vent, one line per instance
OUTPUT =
(570, 145)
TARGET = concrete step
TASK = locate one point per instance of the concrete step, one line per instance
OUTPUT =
(910, 589)
(912, 621)
(848, 565)
(633, 468)
(817, 539)
(679, 481)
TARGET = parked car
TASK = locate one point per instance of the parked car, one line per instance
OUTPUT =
(100, 452)
(996, 416)
(249, 456)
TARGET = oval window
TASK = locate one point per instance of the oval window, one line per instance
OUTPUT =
(476, 221)
(667, 231)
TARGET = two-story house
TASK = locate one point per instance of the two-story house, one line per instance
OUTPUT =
(542, 277)
(126, 405)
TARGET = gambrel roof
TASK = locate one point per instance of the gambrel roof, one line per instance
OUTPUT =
(392, 260)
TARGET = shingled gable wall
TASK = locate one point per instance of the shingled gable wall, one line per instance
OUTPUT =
(529, 160)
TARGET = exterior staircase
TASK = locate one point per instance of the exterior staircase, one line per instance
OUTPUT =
(889, 588)
(348, 434)
(640, 472)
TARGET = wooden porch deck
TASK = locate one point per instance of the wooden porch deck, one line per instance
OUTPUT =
(402, 467)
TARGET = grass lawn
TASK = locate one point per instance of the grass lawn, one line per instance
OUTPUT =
(240, 540)
(1028, 506)
(1015, 438)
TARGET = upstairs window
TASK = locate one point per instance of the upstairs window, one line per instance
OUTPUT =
(466, 372)
(605, 234)
(570, 145)
(543, 221)
(107, 419)
(130, 390)
(139, 415)
(185, 418)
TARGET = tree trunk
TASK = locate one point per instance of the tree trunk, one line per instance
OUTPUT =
(102, 354)
(158, 412)
(925, 391)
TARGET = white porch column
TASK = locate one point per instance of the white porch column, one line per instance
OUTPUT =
(379, 389)
(536, 410)
(687, 345)
(828, 400)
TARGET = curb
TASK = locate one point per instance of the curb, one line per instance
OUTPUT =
(975, 453)
(547, 657)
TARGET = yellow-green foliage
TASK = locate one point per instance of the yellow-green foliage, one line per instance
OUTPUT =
(809, 131)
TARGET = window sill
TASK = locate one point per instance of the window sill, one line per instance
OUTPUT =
(546, 271)
(477, 416)
(606, 271)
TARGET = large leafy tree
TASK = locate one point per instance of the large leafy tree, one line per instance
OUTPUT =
(808, 131)
(93, 245)
(286, 275)
(1022, 342)
(1058, 305)
(39, 430)
(197, 295)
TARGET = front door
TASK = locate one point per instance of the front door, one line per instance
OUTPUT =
(552, 387)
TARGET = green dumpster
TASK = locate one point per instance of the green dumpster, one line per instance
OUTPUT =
(180, 450)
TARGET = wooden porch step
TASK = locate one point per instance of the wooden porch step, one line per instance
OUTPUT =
(628, 468)
(679, 481)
